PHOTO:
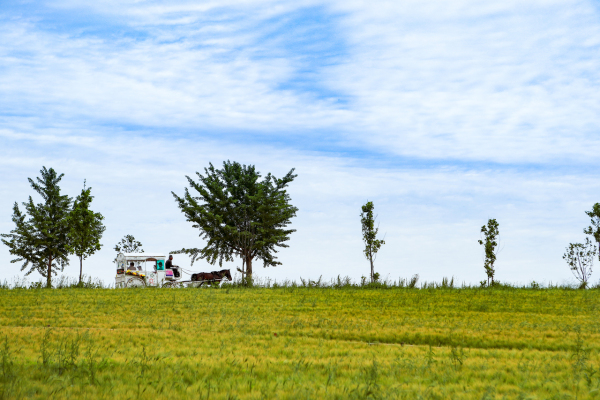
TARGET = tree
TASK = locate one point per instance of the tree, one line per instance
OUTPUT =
(238, 214)
(86, 228)
(490, 233)
(580, 258)
(129, 245)
(41, 236)
(372, 244)
(594, 229)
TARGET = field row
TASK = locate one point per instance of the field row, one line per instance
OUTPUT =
(308, 343)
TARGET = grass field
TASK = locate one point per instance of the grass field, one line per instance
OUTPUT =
(300, 343)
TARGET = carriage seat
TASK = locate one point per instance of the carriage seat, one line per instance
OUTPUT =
(173, 272)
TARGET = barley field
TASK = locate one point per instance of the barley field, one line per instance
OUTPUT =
(299, 343)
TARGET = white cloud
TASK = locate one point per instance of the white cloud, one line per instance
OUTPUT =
(503, 82)
(448, 90)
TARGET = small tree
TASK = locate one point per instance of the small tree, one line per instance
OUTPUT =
(40, 238)
(490, 242)
(594, 229)
(580, 258)
(129, 245)
(86, 228)
(372, 244)
(238, 214)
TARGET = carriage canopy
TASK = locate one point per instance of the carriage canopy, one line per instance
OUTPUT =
(140, 259)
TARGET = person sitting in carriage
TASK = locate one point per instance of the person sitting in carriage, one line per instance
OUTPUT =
(132, 267)
(169, 265)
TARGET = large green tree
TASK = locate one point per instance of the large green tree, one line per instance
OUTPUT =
(372, 244)
(238, 214)
(86, 228)
(41, 236)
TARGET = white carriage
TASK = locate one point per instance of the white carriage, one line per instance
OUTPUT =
(145, 269)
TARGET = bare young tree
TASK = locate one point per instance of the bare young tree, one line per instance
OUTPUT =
(580, 257)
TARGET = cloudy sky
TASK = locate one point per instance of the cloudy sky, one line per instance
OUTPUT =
(444, 114)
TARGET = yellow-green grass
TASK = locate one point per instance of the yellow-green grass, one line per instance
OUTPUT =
(299, 343)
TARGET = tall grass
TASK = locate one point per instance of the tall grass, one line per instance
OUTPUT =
(341, 340)
(63, 282)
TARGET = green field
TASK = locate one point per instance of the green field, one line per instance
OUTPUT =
(300, 343)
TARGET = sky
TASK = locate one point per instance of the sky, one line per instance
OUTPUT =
(444, 114)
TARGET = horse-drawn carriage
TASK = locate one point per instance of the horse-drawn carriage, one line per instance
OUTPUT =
(150, 269)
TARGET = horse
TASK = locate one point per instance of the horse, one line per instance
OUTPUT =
(223, 273)
(214, 276)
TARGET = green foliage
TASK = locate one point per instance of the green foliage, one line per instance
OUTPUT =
(129, 245)
(41, 237)
(238, 214)
(490, 243)
(580, 258)
(372, 244)
(594, 229)
(86, 228)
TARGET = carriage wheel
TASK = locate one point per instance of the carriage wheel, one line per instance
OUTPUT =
(172, 284)
(135, 282)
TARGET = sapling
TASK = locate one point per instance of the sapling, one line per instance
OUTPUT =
(86, 229)
(490, 242)
(372, 244)
(580, 258)
(129, 245)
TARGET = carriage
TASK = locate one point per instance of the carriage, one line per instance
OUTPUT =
(144, 269)
(149, 269)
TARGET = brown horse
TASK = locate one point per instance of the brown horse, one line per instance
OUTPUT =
(224, 273)
(214, 276)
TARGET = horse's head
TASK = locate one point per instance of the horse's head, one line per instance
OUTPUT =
(227, 274)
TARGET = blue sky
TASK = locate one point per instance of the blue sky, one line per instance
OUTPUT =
(443, 113)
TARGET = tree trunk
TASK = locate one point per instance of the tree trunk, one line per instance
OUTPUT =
(80, 269)
(49, 274)
(248, 270)
(372, 270)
